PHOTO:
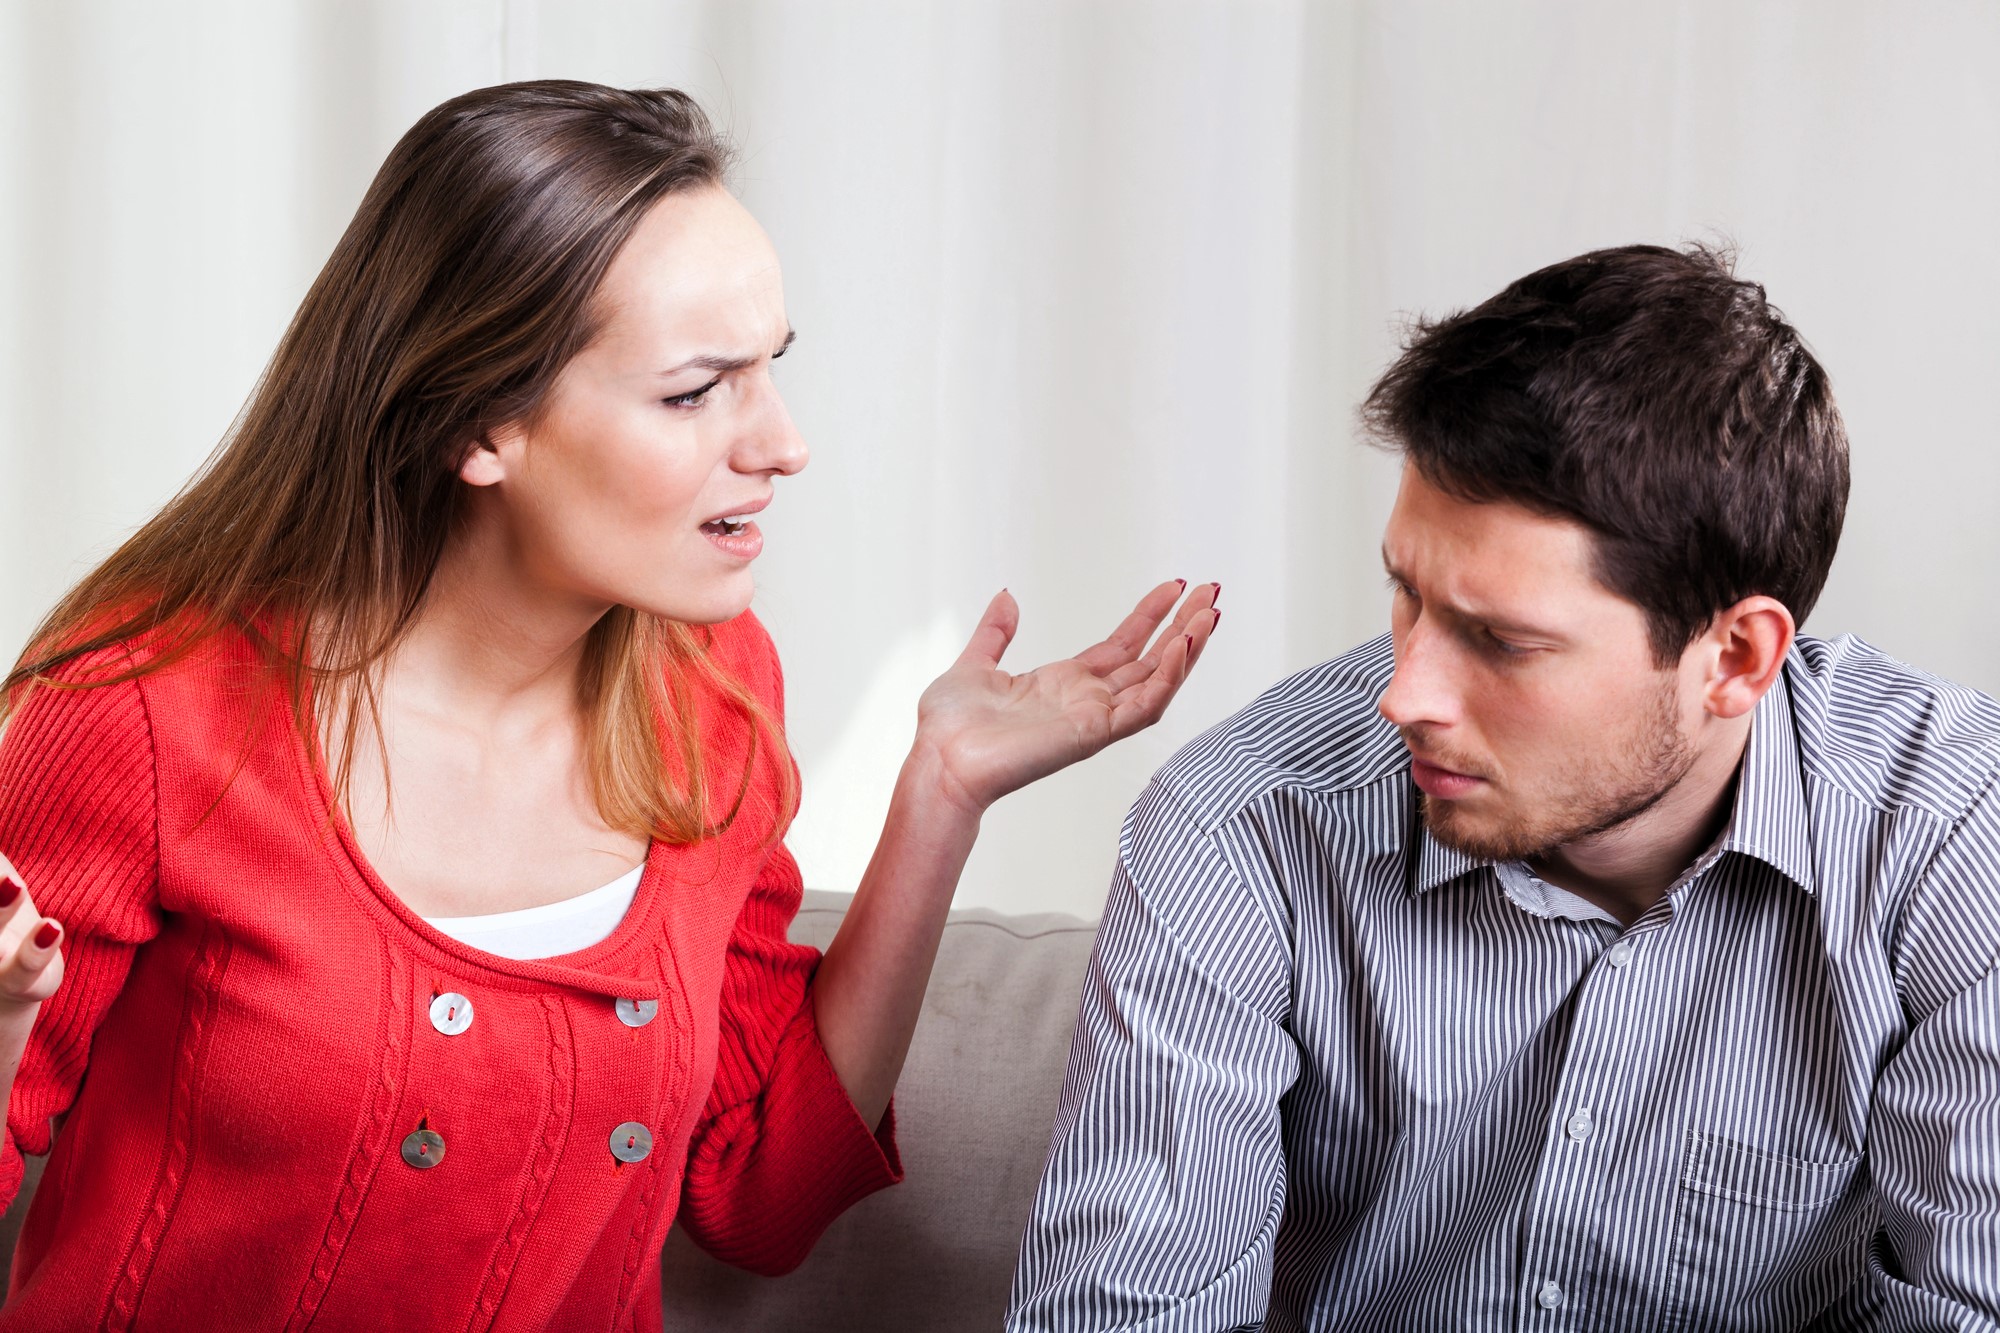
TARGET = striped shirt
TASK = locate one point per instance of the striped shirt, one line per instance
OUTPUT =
(1330, 1074)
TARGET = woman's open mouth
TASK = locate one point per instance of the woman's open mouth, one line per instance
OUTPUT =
(735, 535)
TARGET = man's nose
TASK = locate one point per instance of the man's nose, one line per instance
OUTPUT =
(1420, 693)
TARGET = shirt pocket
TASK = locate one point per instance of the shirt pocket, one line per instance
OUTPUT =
(1760, 1240)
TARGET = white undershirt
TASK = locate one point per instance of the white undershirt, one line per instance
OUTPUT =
(548, 930)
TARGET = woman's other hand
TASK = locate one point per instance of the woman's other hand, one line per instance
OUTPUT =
(985, 733)
(31, 963)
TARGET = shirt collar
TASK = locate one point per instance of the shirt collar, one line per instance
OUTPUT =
(1768, 819)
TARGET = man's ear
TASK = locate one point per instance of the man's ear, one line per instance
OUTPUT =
(1747, 645)
(482, 464)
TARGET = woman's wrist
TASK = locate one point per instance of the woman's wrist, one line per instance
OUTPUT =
(927, 787)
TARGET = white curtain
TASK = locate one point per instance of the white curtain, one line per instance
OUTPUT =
(1086, 293)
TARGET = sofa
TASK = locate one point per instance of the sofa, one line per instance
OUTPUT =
(973, 1110)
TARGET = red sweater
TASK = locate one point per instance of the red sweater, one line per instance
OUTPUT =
(254, 1009)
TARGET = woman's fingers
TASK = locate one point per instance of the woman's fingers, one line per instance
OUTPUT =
(1199, 613)
(31, 969)
(13, 896)
(1126, 642)
(1139, 704)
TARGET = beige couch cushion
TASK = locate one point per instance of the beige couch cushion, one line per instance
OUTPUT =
(973, 1111)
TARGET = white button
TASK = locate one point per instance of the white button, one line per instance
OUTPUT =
(1550, 1296)
(637, 1013)
(1579, 1125)
(423, 1149)
(631, 1142)
(451, 1013)
(1618, 954)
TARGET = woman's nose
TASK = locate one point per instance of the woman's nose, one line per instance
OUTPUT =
(772, 442)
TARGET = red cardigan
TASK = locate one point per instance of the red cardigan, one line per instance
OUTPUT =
(254, 1009)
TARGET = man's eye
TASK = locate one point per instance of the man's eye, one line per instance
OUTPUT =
(692, 397)
(1501, 646)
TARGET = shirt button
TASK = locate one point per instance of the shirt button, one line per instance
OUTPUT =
(451, 1013)
(1550, 1297)
(637, 1013)
(424, 1149)
(631, 1142)
(1579, 1125)
(1618, 954)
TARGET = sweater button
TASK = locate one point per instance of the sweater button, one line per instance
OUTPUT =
(424, 1149)
(637, 1013)
(451, 1013)
(631, 1142)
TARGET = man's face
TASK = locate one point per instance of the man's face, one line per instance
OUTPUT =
(1526, 691)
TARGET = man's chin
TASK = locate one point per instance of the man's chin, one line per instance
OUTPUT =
(1453, 826)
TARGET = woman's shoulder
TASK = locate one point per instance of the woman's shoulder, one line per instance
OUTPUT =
(84, 697)
(144, 690)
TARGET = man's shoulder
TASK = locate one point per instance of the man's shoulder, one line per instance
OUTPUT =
(1317, 730)
(1887, 734)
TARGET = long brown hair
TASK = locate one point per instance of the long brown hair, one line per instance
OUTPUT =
(457, 294)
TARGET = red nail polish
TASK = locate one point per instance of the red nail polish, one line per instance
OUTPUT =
(1217, 621)
(1218, 595)
(46, 937)
(1183, 583)
(10, 889)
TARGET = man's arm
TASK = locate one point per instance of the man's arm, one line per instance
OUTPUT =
(1934, 1131)
(1160, 1204)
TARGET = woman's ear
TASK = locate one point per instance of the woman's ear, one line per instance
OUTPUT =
(483, 464)
(1750, 641)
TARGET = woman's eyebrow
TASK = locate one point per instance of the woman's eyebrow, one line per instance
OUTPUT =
(725, 364)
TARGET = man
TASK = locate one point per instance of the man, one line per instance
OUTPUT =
(1590, 952)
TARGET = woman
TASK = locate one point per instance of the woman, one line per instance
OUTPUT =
(397, 814)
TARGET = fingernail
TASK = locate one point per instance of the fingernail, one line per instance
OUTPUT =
(1218, 595)
(1217, 621)
(1183, 583)
(1190, 641)
(10, 889)
(46, 937)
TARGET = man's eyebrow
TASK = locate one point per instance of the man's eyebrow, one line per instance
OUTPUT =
(1478, 617)
(722, 365)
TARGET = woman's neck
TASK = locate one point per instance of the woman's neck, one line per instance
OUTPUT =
(491, 638)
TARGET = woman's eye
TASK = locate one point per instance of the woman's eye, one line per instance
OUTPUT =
(692, 397)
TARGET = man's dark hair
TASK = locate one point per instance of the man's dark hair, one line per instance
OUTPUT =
(1652, 396)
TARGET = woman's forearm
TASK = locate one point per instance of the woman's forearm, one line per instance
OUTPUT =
(870, 986)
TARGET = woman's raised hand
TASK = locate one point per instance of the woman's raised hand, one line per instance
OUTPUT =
(31, 963)
(990, 733)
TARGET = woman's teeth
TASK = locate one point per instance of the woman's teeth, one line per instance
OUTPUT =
(727, 527)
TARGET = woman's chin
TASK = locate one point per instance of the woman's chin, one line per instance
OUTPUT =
(711, 609)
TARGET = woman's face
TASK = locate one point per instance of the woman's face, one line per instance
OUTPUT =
(637, 482)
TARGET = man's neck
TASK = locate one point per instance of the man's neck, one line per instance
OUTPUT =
(1625, 870)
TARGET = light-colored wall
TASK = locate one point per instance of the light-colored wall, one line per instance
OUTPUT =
(1086, 293)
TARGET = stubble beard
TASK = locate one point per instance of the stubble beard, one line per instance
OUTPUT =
(1585, 801)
